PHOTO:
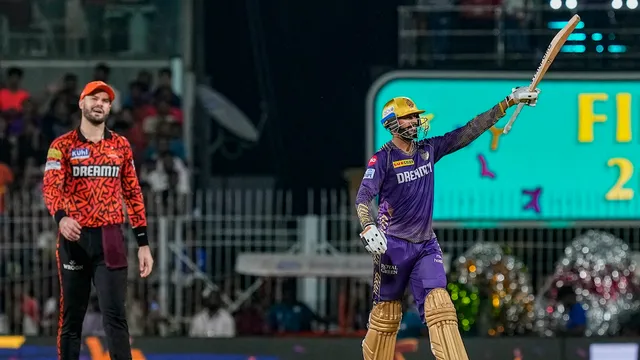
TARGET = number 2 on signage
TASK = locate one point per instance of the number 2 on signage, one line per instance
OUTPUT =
(618, 192)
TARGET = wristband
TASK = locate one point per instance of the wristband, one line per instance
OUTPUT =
(59, 215)
(367, 225)
(141, 236)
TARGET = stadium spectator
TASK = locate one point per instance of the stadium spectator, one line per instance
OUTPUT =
(135, 312)
(26, 310)
(137, 97)
(32, 181)
(168, 138)
(6, 147)
(155, 322)
(57, 120)
(291, 315)
(92, 324)
(411, 326)
(477, 15)
(577, 322)
(437, 21)
(12, 95)
(166, 94)
(165, 84)
(27, 114)
(167, 176)
(213, 321)
(250, 319)
(31, 143)
(145, 78)
(50, 313)
(66, 92)
(6, 180)
(101, 73)
(517, 18)
(155, 119)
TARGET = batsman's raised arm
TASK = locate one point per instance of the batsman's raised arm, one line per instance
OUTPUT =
(461, 137)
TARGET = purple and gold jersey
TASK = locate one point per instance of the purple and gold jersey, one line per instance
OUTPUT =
(405, 184)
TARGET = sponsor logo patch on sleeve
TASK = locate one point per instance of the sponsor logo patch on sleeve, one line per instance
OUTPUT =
(369, 173)
(54, 154)
(373, 160)
(52, 165)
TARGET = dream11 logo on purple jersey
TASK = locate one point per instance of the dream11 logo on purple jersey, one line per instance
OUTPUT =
(412, 175)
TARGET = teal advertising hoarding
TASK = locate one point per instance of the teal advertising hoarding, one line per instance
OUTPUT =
(573, 157)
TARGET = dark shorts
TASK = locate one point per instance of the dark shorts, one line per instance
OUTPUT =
(418, 265)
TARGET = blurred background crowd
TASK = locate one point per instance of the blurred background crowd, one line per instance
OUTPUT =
(207, 206)
(147, 113)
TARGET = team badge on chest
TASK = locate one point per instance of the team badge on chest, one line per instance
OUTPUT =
(78, 154)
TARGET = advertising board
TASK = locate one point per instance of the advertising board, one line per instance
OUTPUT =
(572, 157)
(292, 348)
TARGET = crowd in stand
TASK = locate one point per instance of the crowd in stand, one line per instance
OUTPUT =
(148, 114)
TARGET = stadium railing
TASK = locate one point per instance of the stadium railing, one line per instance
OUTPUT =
(77, 30)
(495, 36)
(197, 242)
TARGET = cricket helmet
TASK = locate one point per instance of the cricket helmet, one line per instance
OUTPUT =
(400, 107)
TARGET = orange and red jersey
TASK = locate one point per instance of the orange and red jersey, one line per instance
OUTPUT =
(88, 181)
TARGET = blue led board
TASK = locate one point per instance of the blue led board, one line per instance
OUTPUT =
(575, 156)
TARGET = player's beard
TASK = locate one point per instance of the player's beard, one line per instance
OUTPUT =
(95, 120)
(415, 131)
(409, 133)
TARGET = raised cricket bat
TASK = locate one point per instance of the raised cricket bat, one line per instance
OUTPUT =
(550, 55)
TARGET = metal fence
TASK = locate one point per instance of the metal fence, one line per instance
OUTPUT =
(196, 241)
(516, 35)
(75, 29)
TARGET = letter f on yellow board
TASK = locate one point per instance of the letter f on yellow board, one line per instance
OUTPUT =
(587, 116)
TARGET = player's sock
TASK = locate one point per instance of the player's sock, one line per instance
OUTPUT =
(442, 320)
(384, 323)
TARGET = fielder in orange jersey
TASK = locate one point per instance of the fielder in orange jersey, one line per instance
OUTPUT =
(89, 171)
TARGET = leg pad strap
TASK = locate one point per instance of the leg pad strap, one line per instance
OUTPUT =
(442, 320)
(384, 323)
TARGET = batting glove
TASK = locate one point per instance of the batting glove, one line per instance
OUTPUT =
(373, 240)
(523, 95)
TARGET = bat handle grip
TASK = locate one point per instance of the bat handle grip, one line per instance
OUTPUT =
(507, 127)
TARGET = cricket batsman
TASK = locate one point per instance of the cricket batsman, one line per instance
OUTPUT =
(404, 247)
(88, 173)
